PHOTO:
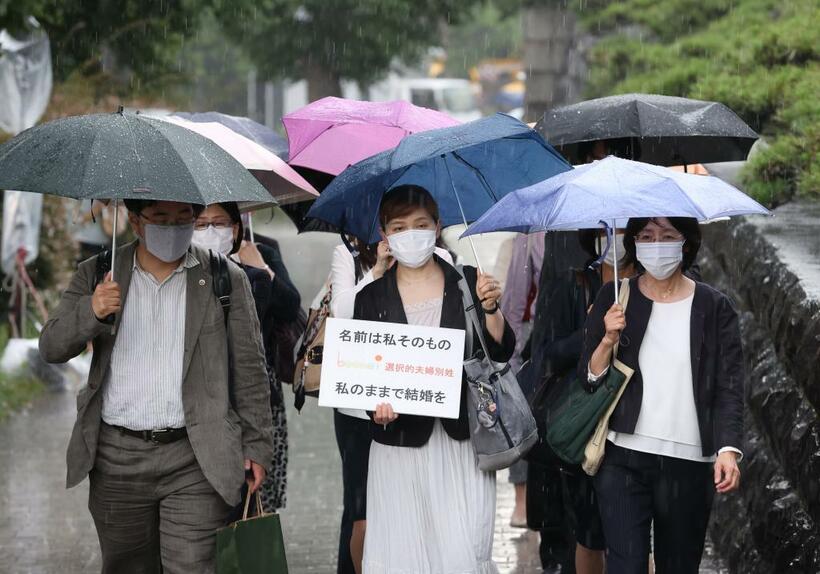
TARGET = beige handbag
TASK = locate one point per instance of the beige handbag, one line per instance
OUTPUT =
(594, 451)
(308, 372)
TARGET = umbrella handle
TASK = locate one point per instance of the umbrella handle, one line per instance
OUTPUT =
(114, 255)
(613, 231)
(610, 239)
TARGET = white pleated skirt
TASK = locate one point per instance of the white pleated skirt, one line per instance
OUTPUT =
(430, 510)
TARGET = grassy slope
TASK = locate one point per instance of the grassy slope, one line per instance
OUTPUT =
(760, 57)
(16, 391)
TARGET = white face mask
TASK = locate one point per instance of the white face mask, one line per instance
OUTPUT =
(660, 259)
(618, 245)
(167, 242)
(218, 240)
(413, 248)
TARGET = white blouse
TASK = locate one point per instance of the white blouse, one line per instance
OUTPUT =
(668, 421)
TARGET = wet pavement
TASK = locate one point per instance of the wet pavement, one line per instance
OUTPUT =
(45, 528)
(793, 232)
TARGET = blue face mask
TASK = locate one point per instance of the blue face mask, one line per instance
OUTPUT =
(167, 242)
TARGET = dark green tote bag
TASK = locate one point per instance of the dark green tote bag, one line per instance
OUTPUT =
(573, 419)
(252, 545)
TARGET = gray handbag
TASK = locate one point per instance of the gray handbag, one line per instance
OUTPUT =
(502, 428)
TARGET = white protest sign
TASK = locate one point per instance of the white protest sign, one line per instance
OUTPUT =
(415, 369)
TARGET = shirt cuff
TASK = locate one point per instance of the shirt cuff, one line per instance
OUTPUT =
(594, 378)
(731, 449)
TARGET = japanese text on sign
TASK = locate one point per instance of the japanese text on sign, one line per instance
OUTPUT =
(415, 369)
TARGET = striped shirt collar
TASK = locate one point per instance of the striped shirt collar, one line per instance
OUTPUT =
(189, 262)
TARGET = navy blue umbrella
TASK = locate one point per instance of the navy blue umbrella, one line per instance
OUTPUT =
(466, 168)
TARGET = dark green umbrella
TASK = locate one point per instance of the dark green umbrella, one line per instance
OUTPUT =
(124, 156)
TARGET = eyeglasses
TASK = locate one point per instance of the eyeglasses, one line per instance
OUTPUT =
(662, 236)
(165, 220)
(202, 225)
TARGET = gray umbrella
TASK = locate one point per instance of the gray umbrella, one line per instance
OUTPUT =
(661, 130)
(124, 156)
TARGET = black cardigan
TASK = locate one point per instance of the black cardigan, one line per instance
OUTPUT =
(717, 362)
(381, 301)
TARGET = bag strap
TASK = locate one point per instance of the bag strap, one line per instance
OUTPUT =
(222, 290)
(473, 323)
(222, 283)
(259, 509)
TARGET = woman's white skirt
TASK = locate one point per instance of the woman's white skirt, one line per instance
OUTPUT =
(430, 510)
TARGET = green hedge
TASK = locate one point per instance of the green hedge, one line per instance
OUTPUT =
(760, 57)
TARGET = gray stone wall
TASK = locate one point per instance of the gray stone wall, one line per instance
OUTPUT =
(772, 525)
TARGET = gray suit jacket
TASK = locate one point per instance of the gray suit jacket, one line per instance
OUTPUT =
(221, 433)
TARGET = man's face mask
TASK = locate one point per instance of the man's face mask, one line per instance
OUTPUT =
(167, 242)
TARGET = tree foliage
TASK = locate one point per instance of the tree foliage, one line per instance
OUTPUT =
(338, 39)
(759, 57)
(141, 36)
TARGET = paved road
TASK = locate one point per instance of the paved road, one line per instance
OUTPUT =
(45, 528)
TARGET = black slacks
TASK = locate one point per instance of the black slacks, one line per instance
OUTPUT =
(636, 489)
(353, 440)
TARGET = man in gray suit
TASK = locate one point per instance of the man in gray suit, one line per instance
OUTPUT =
(167, 427)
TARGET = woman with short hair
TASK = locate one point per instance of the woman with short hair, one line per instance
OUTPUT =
(430, 510)
(674, 436)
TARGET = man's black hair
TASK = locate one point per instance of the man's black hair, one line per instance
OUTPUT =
(137, 205)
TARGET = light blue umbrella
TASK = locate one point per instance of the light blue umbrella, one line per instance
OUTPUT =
(608, 193)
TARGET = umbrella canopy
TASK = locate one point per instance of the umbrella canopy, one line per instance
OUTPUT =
(252, 130)
(466, 168)
(331, 134)
(281, 180)
(124, 156)
(663, 130)
(614, 190)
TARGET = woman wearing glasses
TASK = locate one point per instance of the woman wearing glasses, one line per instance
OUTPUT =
(430, 510)
(674, 437)
(219, 228)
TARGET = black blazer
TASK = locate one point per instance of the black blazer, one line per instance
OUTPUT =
(717, 362)
(381, 301)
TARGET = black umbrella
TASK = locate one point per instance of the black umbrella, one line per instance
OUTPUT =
(662, 130)
(297, 211)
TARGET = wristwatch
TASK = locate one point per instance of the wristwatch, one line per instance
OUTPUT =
(494, 310)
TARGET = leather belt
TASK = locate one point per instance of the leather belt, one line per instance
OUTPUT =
(157, 436)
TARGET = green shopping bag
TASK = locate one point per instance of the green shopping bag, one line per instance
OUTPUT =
(252, 545)
(574, 417)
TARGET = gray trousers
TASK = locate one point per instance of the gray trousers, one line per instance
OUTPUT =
(153, 508)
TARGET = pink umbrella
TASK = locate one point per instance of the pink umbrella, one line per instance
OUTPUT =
(281, 180)
(330, 134)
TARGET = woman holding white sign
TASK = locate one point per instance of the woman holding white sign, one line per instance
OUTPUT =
(350, 274)
(430, 509)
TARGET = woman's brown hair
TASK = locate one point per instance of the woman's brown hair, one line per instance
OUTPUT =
(402, 200)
